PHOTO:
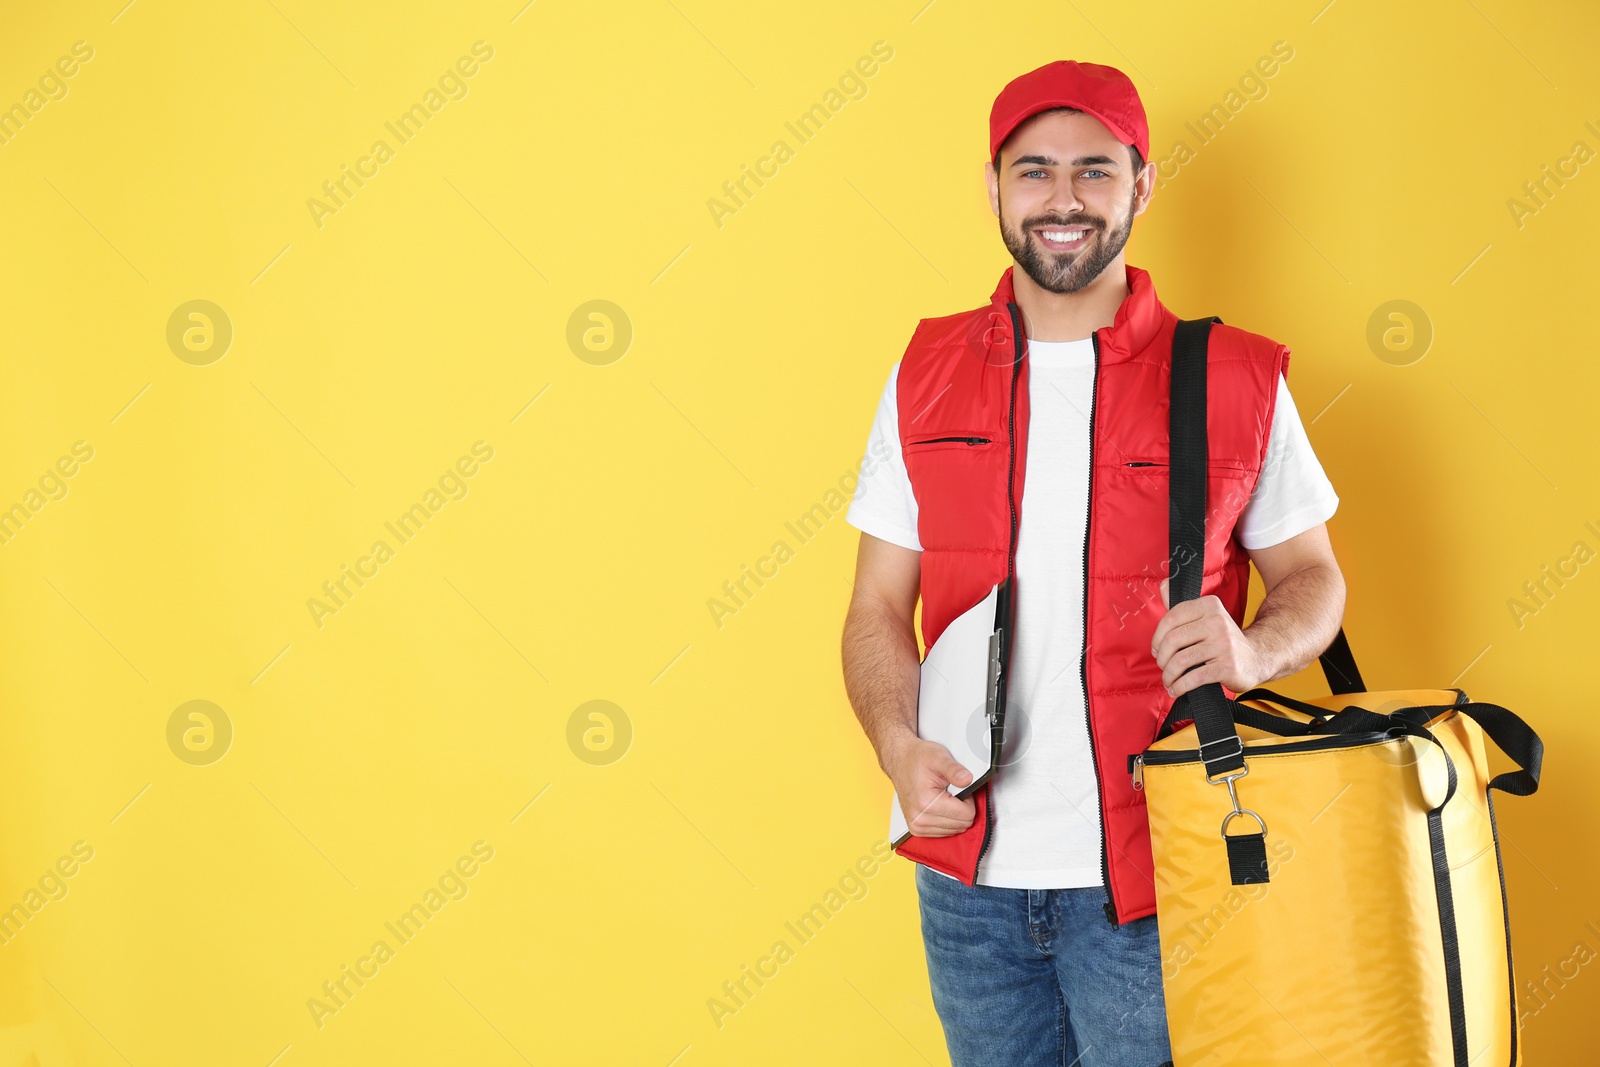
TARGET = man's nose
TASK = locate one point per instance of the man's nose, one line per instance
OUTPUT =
(1063, 199)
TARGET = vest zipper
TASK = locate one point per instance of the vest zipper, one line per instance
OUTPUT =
(1094, 756)
(941, 440)
(1017, 340)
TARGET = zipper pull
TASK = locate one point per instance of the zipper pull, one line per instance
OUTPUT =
(1138, 771)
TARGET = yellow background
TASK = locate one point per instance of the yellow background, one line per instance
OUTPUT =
(371, 752)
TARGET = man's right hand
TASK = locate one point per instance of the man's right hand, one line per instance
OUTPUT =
(881, 675)
(920, 771)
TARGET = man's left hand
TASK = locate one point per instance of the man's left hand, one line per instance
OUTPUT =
(1202, 632)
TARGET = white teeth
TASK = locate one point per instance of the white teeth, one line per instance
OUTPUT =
(1063, 236)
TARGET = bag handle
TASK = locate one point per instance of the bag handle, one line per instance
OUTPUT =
(1516, 739)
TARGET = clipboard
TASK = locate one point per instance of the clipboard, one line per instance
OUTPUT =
(961, 699)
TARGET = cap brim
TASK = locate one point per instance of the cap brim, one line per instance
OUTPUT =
(1116, 130)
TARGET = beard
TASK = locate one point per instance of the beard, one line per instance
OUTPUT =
(1066, 272)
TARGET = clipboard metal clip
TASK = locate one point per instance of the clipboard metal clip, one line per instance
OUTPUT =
(996, 707)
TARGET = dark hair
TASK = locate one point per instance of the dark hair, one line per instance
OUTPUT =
(1133, 152)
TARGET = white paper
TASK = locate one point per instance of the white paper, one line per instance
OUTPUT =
(952, 698)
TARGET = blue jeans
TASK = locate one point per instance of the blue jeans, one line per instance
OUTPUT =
(1028, 977)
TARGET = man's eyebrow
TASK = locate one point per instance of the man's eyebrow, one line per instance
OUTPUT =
(1081, 161)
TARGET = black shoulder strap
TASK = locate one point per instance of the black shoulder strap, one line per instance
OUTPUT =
(1339, 665)
(1212, 712)
(1210, 709)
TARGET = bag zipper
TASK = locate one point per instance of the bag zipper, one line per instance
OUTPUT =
(1017, 341)
(1138, 762)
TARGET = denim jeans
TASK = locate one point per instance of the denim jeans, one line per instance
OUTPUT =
(1029, 977)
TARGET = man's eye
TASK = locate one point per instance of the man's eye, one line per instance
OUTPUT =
(1026, 173)
(1089, 172)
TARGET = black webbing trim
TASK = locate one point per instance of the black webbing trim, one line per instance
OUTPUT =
(1402, 722)
(1247, 858)
(1517, 740)
(1447, 931)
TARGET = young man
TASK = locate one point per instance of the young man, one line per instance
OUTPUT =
(1028, 439)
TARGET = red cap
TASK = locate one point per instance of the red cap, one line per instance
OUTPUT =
(1104, 92)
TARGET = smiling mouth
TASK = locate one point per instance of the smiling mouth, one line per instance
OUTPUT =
(1063, 239)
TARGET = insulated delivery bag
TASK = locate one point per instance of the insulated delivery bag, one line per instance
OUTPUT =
(1329, 887)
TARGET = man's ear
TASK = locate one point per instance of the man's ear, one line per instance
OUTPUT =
(992, 180)
(1145, 188)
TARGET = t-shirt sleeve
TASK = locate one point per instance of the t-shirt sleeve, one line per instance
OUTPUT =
(884, 505)
(1293, 493)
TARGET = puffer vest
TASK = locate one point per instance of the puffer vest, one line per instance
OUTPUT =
(963, 407)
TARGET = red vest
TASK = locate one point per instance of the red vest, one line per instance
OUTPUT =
(963, 406)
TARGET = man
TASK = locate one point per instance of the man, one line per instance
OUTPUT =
(1036, 892)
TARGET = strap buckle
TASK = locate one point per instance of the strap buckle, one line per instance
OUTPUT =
(1237, 751)
(1222, 741)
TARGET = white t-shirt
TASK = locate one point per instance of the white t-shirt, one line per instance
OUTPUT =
(1048, 836)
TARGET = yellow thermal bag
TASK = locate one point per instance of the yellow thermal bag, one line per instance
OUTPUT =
(1329, 887)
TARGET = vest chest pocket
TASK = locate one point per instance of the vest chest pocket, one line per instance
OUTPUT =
(932, 442)
(1215, 468)
(1228, 484)
(1144, 482)
(952, 474)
